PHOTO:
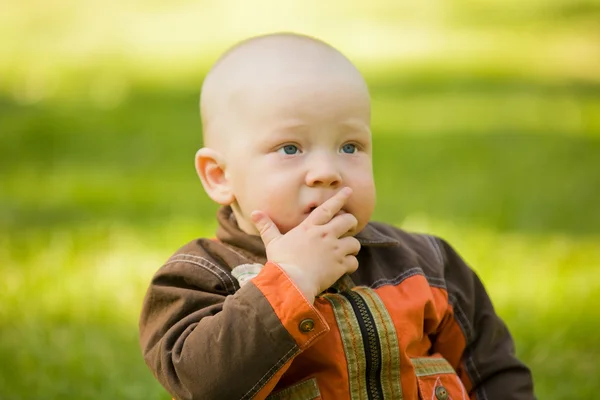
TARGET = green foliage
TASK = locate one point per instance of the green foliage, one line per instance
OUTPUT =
(497, 152)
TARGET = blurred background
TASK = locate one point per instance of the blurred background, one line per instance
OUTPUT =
(486, 121)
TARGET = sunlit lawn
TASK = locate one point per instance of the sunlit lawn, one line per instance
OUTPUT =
(97, 189)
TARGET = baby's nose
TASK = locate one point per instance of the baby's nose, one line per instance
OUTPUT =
(323, 172)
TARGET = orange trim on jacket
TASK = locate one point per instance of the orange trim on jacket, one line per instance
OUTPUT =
(413, 321)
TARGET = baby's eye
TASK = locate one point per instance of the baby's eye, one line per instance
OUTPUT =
(349, 148)
(290, 149)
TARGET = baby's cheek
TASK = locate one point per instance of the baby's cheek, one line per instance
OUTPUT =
(278, 209)
(285, 224)
(364, 203)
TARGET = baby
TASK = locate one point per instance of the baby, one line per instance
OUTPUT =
(300, 296)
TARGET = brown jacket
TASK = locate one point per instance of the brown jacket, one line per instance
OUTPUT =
(412, 322)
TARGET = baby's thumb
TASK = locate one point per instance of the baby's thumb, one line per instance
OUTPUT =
(266, 227)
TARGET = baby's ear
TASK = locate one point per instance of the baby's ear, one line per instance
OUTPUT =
(210, 167)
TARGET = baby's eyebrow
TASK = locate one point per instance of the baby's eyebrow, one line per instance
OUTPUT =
(283, 133)
(355, 125)
(286, 130)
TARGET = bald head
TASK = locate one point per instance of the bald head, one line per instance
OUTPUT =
(263, 66)
(286, 123)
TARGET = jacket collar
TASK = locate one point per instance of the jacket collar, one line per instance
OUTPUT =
(229, 232)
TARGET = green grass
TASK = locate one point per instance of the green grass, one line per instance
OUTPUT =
(488, 135)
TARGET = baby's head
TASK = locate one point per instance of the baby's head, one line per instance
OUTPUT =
(286, 123)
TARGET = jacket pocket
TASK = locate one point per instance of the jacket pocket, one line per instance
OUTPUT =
(305, 390)
(438, 380)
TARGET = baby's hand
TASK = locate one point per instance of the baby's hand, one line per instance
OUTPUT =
(314, 254)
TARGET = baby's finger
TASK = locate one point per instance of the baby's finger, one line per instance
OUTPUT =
(350, 245)
(326, 211)
(265, 226)
(341, 224)
(351, 264)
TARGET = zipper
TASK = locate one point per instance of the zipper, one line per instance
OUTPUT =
(371, 344)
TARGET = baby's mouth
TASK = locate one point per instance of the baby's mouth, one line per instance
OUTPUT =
(310, 209)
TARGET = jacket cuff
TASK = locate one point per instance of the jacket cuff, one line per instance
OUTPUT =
(300, 318)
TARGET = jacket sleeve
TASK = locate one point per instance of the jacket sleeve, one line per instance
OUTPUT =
(204, 339)
(475, 340)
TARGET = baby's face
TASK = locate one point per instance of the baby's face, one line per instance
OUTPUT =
(296, 145)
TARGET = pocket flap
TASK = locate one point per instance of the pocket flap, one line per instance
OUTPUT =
(432, 366)
(305, 390)
(438, 380)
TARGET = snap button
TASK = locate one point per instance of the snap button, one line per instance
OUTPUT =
(441, 393)
(307, 325)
